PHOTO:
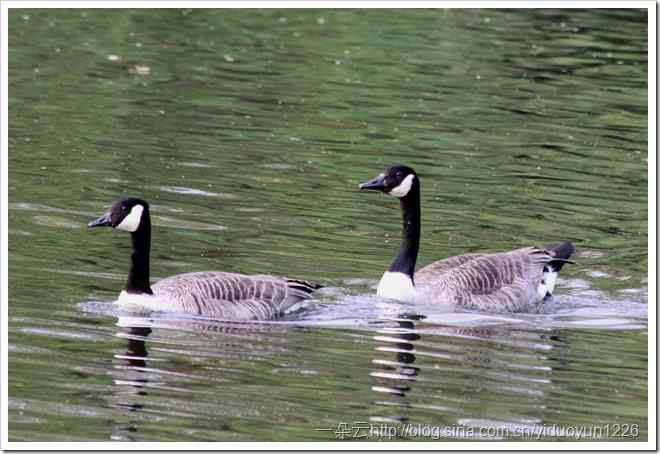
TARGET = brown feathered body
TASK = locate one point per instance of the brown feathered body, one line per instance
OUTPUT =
(508, 281)
(230, 296)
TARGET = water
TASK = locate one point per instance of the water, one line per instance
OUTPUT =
(248, 132)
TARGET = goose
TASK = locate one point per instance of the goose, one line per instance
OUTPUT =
(505, 281)
(223, 295)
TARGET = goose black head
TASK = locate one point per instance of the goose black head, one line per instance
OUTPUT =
(125, 214)
(395, 181)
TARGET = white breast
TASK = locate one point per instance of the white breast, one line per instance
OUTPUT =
(141, 302)
(397, 286)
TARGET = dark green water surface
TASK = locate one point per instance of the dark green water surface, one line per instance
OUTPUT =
(248, 132)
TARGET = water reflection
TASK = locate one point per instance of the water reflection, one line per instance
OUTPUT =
(394, 378)
(422, 373)
(449, 373)
(475, 381)
(136, 350)
(131, 380)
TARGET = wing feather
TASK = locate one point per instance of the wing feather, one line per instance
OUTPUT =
(507, 280)
(232, 296)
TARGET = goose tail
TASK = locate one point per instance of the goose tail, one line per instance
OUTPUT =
(561, 252)
(303, 288)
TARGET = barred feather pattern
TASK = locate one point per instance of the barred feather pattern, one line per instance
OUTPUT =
(231, 296)
(501, 281)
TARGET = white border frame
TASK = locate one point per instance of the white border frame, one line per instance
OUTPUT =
(295, 446)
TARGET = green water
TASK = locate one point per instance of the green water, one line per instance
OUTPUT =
(248, 132)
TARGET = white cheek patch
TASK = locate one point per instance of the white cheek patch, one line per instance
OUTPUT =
(132, 221)
(403, 188)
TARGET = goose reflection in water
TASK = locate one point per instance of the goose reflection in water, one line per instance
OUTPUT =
(400, 340)
(135, 378)
(136, 349)
(470, 366)
(187, 355)
(423, 372)
(131, 379)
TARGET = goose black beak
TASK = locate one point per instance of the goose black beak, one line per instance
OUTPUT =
(101, 222)
(377, 183)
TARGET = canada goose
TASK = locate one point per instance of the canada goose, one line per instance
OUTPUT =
(227, 296)
(510, 281)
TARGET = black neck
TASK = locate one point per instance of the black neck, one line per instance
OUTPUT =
(407, 257)
(138, 275)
